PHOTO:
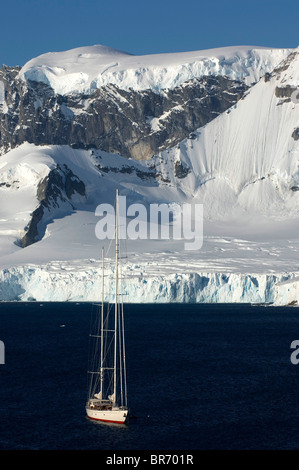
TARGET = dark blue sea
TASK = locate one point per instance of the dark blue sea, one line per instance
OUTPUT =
(199, 377)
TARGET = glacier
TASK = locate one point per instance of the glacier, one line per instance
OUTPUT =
(81, 284)
(36, 284)
(84, 69)
(243, 166)
(224, 270)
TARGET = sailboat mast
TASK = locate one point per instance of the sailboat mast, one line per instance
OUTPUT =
(102, 329)
(107, 406)
(116, 296)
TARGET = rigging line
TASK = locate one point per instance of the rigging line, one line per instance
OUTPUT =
(119, 332)
(120, 359)
(122, 255)
(90, 358)
(124, 353)
(116, 291)
(102, 332)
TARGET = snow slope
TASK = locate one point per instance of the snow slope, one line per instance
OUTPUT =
(247, 159)
(85, 69)
(241, 260)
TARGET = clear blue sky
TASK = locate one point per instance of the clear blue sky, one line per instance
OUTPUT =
(32, 27)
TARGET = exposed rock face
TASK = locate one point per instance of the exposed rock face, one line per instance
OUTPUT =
(134, 124)
(284, 92)
(54, 192)
(180, 170)
(284, 65)
(295, 134)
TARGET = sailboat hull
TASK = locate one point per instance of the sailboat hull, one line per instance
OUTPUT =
(118, 416)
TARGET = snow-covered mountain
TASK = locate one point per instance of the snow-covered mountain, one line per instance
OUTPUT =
(217, 127)
(85, 69)
(250, 153)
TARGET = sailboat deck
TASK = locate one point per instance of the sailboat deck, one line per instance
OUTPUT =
(97, 404)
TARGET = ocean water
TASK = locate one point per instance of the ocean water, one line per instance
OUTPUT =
(199, 377)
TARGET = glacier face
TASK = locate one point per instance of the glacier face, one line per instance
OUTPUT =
(41, 283)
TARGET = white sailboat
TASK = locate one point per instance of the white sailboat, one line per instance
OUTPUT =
(107, 395)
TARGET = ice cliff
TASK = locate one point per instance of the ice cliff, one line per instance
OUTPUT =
(72, 283)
